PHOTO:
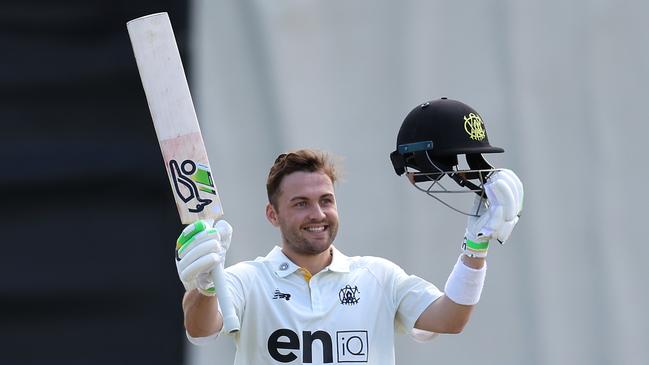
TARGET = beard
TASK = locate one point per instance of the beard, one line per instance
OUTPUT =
(303, 243)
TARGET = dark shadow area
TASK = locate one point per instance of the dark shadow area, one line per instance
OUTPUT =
(87, 273)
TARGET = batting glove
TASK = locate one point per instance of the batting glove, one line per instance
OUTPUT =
(200, 247)
(496, 215)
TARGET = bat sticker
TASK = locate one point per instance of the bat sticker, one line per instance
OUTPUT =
(194, 178)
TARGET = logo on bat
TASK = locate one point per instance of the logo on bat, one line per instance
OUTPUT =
(189, 180)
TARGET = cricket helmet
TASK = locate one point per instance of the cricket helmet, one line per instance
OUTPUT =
(430, 139)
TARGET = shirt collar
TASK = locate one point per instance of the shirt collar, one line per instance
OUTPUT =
(282, 266)
(339, 262)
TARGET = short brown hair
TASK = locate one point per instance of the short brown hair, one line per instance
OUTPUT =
(301, 160)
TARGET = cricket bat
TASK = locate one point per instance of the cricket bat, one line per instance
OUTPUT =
(179, 134)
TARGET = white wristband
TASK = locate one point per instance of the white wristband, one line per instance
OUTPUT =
(464, 284)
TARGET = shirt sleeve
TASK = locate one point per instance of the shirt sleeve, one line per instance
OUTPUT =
(412, 295)
(422, 335)
(201, 341)
(235, 281)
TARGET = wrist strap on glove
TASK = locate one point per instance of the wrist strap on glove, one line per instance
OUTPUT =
(475, 248)
(209, 292)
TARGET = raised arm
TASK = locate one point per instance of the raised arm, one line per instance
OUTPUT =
(498, 214)
(445, 315)
(200, 248)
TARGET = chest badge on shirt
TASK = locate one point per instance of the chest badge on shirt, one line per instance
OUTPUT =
(279, 295)
(349, 295)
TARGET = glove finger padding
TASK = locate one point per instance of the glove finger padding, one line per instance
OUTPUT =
(201, 249)
(505, 190)
(187, 238)
(210, 234)
(225, 231)
(501, 196)
(203, 264)
(515, 184)
(222, 233)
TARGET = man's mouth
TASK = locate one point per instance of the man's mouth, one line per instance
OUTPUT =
(316, 229)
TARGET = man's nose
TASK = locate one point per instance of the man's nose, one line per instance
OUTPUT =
(316, 212)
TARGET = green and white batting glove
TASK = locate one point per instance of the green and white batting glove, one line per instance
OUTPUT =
(200, 247)
(497, 215)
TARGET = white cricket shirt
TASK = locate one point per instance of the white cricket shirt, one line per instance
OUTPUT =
(347, 313)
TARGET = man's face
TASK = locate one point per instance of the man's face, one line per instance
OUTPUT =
(305, 212)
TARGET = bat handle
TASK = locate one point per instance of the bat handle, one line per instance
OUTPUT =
(230, 320)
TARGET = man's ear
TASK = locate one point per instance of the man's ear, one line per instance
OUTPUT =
(271, 215)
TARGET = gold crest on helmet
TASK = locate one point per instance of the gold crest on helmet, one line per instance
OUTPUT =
(474, 127)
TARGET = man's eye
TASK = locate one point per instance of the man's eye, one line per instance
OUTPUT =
(300, 204)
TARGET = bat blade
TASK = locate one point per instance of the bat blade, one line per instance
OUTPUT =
(179, 135)
(174, 118)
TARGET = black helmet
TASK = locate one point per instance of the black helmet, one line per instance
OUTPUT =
(431, 137)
